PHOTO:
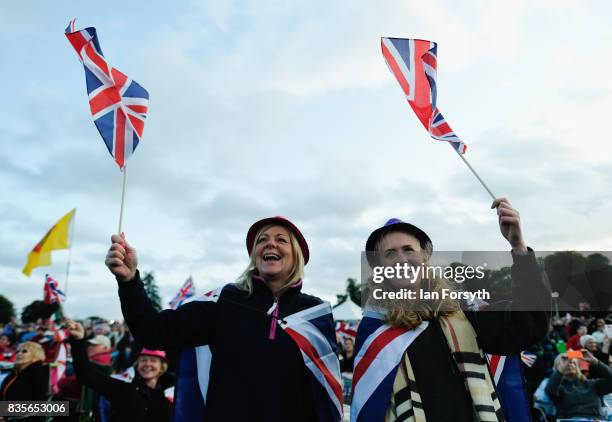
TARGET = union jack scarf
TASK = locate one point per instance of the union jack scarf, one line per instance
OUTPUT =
(381, 349)
(414, 64)
(312, 330)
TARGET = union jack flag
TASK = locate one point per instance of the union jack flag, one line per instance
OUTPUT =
(52, 293)
(510, 386)
(312, 330)
(118, 104)
(379, 350)
(346, 329)
(187, 291)
(528, 358)
(414, 65)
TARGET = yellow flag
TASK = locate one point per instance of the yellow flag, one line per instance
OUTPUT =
(56, 238)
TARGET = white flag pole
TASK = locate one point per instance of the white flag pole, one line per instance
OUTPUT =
(122, 199)
(72, 223)
(475, 174)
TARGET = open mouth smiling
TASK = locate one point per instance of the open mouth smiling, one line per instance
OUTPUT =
(271, 257)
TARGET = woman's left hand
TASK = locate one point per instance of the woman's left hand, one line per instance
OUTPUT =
(510, 224)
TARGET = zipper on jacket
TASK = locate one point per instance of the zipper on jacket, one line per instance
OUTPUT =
(274, 312)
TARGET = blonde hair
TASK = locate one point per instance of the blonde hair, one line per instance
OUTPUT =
(411, 313)
(245, 280)
(35, 350)
(579, 375)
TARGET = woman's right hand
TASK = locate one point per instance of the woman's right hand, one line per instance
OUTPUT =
(121, 258)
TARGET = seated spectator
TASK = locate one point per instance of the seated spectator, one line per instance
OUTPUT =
(29, 379)
(573, 394)
(589, 343)
(142, 399)
(600, 329)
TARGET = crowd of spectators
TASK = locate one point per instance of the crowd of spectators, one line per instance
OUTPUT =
(45, 361)
(570, 376)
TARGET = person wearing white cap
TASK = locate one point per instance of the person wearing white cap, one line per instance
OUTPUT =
(589, 343)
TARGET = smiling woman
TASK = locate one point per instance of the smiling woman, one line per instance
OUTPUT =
(30, 378)
(242, 319)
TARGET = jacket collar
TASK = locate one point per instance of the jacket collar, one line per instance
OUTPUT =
(260, 286)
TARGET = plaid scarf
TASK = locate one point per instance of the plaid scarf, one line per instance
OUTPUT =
(406, 404)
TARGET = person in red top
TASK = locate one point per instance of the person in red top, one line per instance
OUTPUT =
(7, 351)
(573, 343)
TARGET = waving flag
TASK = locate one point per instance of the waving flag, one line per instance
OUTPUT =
(187, 291)
(118, 104)
(313, 332)
(414, 65)
(52, 293)
(56, 238)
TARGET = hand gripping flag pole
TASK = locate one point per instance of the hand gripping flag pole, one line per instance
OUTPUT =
(118, 104)
(414, 65)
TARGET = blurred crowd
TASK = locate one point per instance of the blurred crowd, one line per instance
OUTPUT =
(42, 361)
(38, 361)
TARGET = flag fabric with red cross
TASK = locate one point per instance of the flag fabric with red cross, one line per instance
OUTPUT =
(52, 293)
(118, 104)
(187, 291)
(414, 65)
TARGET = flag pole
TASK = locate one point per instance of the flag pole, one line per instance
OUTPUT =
(475, 174)
(69, 254)
(122, 198)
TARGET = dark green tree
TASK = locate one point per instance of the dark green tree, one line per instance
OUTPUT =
(150, 286)
(352, 291)
(597, 261)
(38, 309)
(7, 310)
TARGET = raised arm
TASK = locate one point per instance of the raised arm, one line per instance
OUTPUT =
(603, 384)
(86, 373)
(511, 327)
(190, 325)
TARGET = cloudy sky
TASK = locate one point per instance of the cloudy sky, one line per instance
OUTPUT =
(261, 108)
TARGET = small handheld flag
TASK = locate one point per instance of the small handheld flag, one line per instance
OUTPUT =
(187, 291)
(118, 104)
(414, 64)
(52, 293)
